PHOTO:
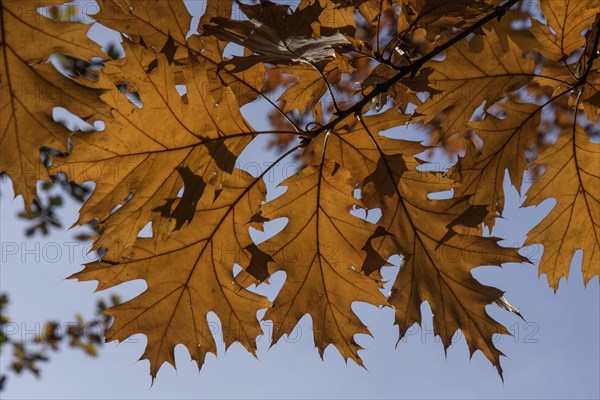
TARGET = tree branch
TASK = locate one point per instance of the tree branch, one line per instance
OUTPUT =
(413, 68)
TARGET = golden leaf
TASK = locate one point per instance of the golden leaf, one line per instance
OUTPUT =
(440, 16)
(288, 40)
(567, 18)
(438, 257)
(320, 249)
(31, 87)
(471, 73)
(481, 174)
(572, 178)
(173, 130)
(189, 274)
(136, 160)
(310, 87)
(440, 239)
(151, 22)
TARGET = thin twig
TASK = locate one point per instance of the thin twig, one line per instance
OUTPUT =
(379, 27)
(413, 68)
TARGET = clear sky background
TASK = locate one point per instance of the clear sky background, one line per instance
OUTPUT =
(555, 354)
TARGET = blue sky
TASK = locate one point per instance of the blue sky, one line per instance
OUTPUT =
(555, 354)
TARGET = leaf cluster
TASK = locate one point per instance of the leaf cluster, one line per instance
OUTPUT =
(494, 86)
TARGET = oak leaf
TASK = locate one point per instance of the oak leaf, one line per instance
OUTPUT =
(352, 145)
(439, 16)
(438, 257)
(310, 87)
(320, 249)
(568, 19)
(572, 177)
(276, 36)
(136, 159)
(31, 87)
(151, 23)
(505, 139)
(590, 95)
(189, 274)
(440, 239)
(476, 89)
(474, 72)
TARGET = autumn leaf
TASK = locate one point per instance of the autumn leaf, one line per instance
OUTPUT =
(401, 95)
(310, 87)
(149, 23)
(320, 249)
(411, 83)
(481, 173)
(590, 97)
(572, 178)
(263, 34)
(352, 145)
(370, 9)
(567, 19)
(189, 274)
(152, 27)
(471, 73)
(438, 257)
(135, 161)
(438, 16)
(31, 88)
(440, 240)
(334, 17)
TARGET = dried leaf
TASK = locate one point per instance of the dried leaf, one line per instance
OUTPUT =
(276, 36)
(31, 88)
(505, 140)
(173, 130)
(320, 249)
(189, 274)
(567, 18)
(471, 74)
(310, 87)
(150, 23)
(135, 161)
(439, 16)
(572, 178)
(437, 262)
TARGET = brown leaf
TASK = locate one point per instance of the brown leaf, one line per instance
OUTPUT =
(567, 18)
(590, 95)
(31, 88)
(351, 145)
(572, 178)
(336, 16)
(437, 266)
(371, 9)
(150, 22)
(134, 162)
(276, 36)
(320, 249)
(439, 16)
(310, 86)
(470, 74)
(401, 94)
(189, 274)
(173, 130)
(481, 174)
